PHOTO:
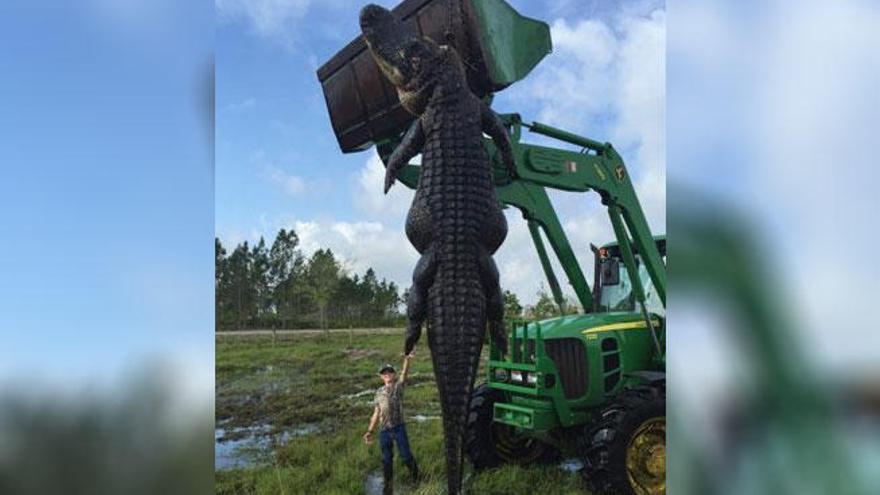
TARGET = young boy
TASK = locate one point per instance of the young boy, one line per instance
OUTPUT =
(389, 415)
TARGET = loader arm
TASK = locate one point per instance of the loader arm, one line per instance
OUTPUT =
(598, 167)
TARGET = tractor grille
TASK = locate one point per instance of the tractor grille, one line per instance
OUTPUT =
(571, 361)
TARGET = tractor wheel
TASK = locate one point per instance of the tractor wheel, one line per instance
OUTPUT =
(489, 444)
(625, 449)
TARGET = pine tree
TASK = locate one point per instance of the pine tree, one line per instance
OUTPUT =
(285, 273)
(240, 294)
(260, 279)
(323, 277)
(219, 280)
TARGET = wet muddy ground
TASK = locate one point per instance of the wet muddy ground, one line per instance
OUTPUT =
(290, 415)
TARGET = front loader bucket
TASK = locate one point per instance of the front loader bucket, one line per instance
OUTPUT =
(498, 45)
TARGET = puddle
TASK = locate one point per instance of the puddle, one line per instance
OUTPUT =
(237, 453)
(236, 448)
(374, 483)
(362, 393)
(571, 465)
(421, 418)
(302, 431)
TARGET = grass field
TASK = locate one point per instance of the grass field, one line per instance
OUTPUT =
(309, 398)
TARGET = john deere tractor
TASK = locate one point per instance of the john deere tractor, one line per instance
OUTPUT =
(591, 384)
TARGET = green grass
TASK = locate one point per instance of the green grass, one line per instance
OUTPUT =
(302, 380)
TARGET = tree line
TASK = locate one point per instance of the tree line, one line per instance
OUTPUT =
(278, 287)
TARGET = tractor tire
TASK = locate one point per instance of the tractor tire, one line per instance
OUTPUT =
(624, 451)
(489, 444)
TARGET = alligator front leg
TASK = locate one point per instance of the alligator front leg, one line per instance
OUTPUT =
(495, 129)
(416, 305)
(410, 146)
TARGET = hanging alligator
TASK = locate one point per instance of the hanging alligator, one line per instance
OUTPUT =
(455, 221)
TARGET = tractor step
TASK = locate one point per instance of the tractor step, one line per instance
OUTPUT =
(525, 417)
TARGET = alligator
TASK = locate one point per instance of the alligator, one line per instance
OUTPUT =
(455, 221)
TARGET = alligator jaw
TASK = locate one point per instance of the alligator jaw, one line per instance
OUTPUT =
(388, 38)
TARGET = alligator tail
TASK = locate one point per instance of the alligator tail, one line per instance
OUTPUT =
(456, 329)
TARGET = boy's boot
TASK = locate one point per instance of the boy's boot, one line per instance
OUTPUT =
(389, 479)
(413, 470)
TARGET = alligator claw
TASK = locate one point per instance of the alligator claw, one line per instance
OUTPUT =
(412, 337)
(389, 181)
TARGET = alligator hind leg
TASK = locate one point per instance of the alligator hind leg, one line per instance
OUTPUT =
(416, 304)
(494, 301)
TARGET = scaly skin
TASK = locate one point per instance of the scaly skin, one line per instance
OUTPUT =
(455, 221)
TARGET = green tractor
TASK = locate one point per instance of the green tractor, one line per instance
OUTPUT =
(590, 385)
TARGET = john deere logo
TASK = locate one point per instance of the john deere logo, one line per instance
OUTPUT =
(620, 172)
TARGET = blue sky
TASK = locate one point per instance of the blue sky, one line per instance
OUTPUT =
(106, 200)
(278, 164)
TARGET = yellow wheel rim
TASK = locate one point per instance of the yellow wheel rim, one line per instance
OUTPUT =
(646, 458)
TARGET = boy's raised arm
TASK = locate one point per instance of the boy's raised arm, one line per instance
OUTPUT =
(404, 373)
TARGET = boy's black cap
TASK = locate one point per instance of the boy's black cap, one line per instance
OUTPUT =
(387, 367)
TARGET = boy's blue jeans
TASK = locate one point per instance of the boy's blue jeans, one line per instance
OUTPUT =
(395, 434)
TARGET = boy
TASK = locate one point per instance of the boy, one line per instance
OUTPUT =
(389, 415)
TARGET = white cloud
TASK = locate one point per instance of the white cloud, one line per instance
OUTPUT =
(280, 21)
(598, 72)
(232, 238)
(369, 198)
(614, 73)
(290, 184)
(361, 245)
(268, 18)
(573, 84)
(267, 169)
(240, 105)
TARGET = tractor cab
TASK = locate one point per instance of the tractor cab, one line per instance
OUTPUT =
(612, 289)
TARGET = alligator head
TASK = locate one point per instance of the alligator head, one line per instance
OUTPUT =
(411, 63)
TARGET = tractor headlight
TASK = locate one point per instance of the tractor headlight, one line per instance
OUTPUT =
(532, 378)
(516, 376)
(500, 375)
